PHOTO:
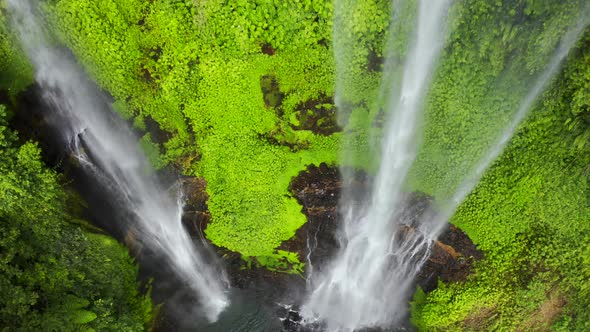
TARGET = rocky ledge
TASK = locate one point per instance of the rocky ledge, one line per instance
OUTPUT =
(318, 189)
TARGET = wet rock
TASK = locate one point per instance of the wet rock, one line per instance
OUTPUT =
(158, 135)
(318, 190)
(451, 259)
(460, 241)
(131, 242)
(293, 322)
(318, 115)
(267, 49)
(196, 214)
(291, 319)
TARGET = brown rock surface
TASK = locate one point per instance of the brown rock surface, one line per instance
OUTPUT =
(318, 190)
(196, 213)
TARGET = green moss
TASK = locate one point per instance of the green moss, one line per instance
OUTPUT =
(280, 261)
(247, 177)
(198, 70)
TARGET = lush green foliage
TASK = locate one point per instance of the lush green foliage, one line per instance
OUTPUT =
(227, 79)
(530, 212)
(53, 275)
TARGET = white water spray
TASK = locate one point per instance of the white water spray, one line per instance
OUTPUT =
(106, 148)
(367, 283)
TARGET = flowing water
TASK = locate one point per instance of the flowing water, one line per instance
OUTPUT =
(106, 148)
(368, 281)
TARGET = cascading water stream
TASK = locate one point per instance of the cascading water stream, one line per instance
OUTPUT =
(108, 150)
(471, 180)
(367, 283)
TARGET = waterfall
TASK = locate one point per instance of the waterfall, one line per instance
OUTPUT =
(106, 148)
(368, 281)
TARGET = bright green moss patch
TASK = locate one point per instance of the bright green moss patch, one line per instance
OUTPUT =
(247, 176)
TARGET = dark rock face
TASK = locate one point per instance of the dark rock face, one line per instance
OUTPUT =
(157, 134)
(267, 49)
(318, 190)
(196, 213)
(451, 259)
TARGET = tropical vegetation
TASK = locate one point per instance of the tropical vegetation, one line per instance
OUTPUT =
(234, 85)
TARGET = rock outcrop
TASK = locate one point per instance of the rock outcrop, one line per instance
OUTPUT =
(196, 213)
(318, 190)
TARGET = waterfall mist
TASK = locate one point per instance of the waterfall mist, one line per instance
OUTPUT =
(107, 149)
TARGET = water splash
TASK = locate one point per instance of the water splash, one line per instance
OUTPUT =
(107, 149)
(367, 283)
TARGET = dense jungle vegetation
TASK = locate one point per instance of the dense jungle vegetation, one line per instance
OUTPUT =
(236, 87)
